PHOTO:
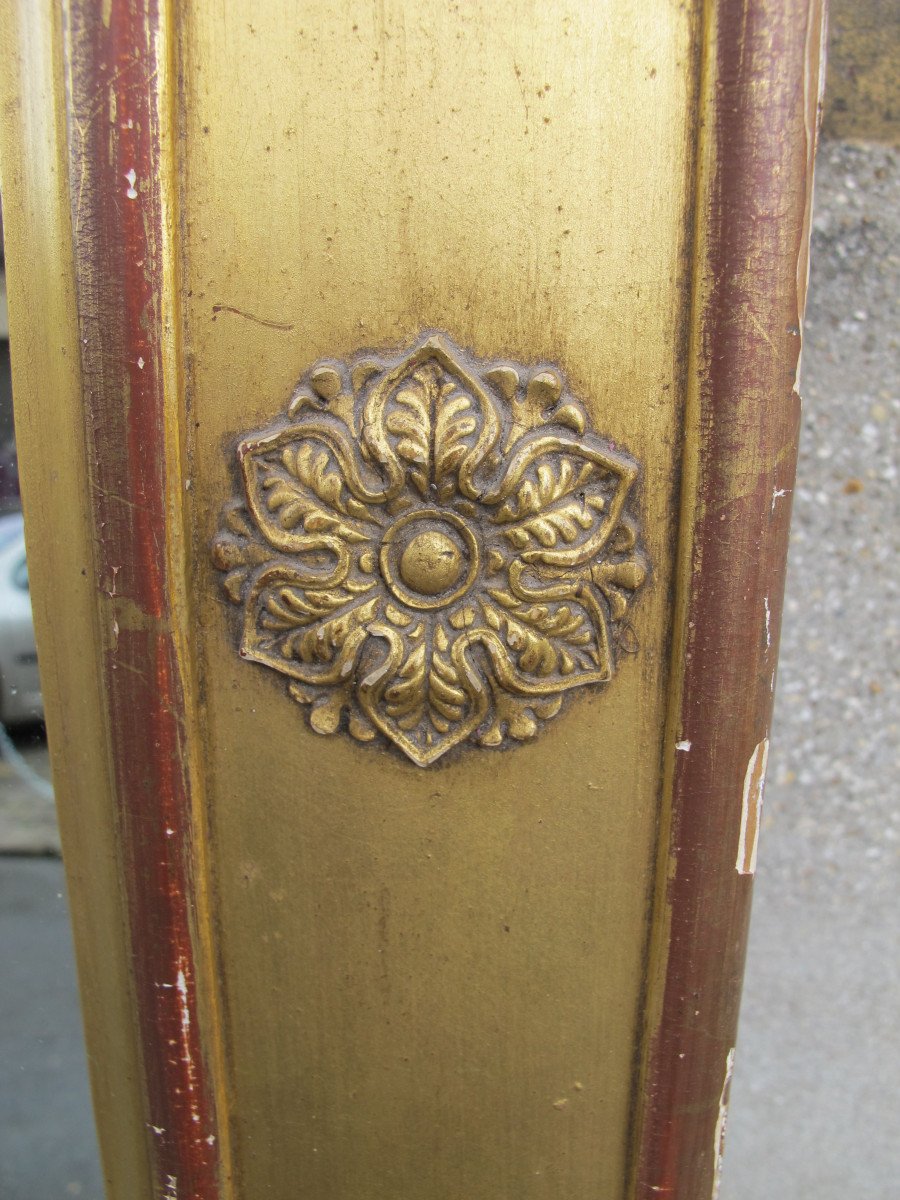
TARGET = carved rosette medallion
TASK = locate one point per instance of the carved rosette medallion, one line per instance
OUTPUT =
(432, 549)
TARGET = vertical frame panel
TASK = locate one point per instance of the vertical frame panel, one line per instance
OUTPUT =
(760, 100)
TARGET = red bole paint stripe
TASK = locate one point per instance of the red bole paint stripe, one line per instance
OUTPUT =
(114, 132)
(753, 195)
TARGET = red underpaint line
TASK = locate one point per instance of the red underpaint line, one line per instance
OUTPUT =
(115, 167)
(749, 414)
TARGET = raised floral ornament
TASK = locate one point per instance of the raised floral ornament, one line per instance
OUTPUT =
(432, 548)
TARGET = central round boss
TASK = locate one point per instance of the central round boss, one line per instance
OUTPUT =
(429, 558)
(431, 563)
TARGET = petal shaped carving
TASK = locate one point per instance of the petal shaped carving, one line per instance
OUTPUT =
(416, 582)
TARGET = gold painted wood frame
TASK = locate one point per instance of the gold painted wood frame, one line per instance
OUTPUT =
(407, 411)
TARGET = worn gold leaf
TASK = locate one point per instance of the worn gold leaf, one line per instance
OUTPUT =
(439, 557)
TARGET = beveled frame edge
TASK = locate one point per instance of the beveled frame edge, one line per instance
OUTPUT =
(760, 99)
(95, 309)
(52, 454)
(122, 115)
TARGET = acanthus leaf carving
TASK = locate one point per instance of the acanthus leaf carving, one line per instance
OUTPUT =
(412, 578)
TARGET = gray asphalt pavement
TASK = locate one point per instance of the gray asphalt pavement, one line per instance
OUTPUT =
(815, 1102)
(815, 1106)
(48, 1150)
